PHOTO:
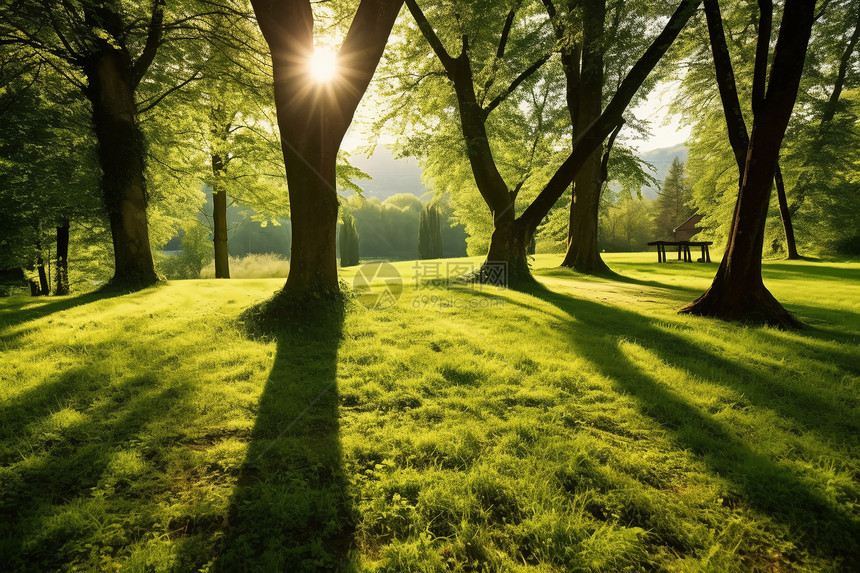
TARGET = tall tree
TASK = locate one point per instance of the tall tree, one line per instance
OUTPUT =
(738, 291)
(817, 157)
(673, 200)
(583, 64)
(429, 233)
(313, 118)
(824, 147)
(118, 53)
(511, 234)
(349, 242)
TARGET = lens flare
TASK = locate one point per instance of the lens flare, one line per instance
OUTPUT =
(323, 65)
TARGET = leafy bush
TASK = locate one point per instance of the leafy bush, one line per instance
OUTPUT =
(197, 252)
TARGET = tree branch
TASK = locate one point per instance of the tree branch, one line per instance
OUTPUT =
(738, 135)
(430, 35)
(152, 102)
(594, 134)
(604, 163)
(830, 108)
(153, 40)
(506, 32)
(762, 51)
(515, 84)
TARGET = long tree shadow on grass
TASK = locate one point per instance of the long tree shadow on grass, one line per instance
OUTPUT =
(814, 521)
(617, 277)
(804, 272)
(290, 510)
(15, 312)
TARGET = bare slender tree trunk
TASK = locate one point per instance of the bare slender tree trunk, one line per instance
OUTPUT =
(62, 258)
(120, 154)
(219, 222)
(44, 286)
(785, 216)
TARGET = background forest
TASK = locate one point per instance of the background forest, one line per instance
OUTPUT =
(211, 146)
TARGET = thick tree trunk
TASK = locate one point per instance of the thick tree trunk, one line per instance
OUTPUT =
(313, 212)
(62, 258)
(219, 223)
(785, 215)
(583, 254)
(582, 251)
(507, 263)
(35, 290)
(120, 153)
(313, 119)
(738, 292)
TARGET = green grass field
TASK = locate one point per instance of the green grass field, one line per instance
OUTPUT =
(584, 426)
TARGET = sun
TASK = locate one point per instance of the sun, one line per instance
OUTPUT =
(323, 65)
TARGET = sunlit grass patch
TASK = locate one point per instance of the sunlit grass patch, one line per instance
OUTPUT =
(583, 426)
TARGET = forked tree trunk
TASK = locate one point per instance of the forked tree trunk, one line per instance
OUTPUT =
(120, 153)
(737, 130)
(219, 222)
(506, 262)
(507, 259)
(313, 118)
(583, 253)
(62, 258)
(738, 292)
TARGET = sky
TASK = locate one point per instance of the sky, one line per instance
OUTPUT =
(666, 128)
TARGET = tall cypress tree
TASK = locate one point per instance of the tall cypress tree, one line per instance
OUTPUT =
(673, 201)
(348, 242)
(429, 233)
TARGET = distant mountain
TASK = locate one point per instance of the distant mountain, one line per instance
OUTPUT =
(661, 159)
(390, 175)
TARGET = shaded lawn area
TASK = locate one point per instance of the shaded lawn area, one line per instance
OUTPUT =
(581, 426)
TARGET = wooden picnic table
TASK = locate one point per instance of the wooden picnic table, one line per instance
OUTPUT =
(683, 250)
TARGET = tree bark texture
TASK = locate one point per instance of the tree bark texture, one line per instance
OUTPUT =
(583, 253)
(219, 222)
(738, 292)
(121, 157)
